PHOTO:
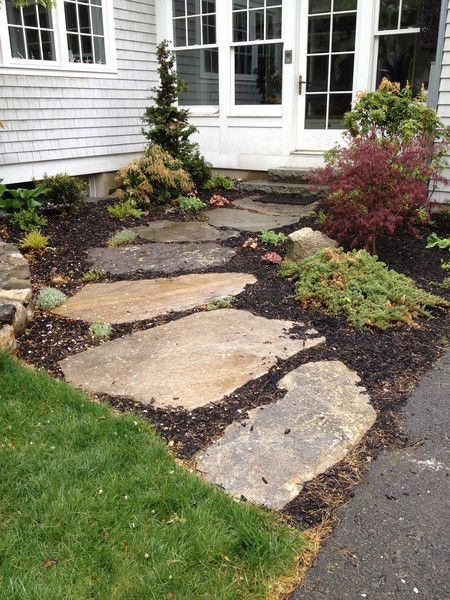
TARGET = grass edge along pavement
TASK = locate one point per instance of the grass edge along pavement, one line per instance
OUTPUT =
(92, 505)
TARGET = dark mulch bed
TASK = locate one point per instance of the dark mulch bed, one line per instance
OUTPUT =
(389, 363)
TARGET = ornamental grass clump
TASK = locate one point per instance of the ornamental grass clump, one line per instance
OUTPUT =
(49, 298)
(34, 240)
(361, 287)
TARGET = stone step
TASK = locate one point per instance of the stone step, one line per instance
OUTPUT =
(288, 174)
(278, 187)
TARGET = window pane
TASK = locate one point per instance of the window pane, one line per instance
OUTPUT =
(339, 105)
(319, 6)
(243, 58)
(84, 18)
(318, 35)
(411, 13)
(33, 44)
(208, 6)
(193, 7)
(13, 14)
(96, 2)
(86, 49)
(344, 27)
(99, 51)
(45, 17)
(256, 25)
(203, 85)
(238, 4)
(316, 112)
(180, 32)
(97, 21)
(70, 11)
(30, 16)
(388, 14)
(178, 8)
(274, 2)
(264, 85)
(240, 27)
(255, 3)
(74, 47)
(273, 23)
(345, 5)
(16, 42)
(193, 26)
(317, 74)
(209, 29)
(341, 78)
(401, 58)
(48, 45)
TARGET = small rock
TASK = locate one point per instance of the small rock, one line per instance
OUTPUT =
(305, 242)
(7, 312)
(7, 338)
(22, 296)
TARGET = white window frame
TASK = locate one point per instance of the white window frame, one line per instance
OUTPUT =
(61, 66)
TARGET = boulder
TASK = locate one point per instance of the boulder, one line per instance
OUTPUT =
(305, 242)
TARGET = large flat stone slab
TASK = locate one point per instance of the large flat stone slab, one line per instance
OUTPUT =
(279, 210)
(190, 362)
(181, 231)
(159, 258)
(246, 220)
(323, 415)
(128, 301)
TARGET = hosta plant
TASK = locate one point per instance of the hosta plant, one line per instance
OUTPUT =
(434, 241)
(21, 198)
(49, 298)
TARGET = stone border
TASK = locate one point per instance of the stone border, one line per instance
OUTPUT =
(15, 295)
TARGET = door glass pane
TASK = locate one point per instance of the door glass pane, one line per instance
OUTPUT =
(33, 44)
(341, 76)
(256, 25)
(70, 10)
(193, 27)
(194, 66)
(339, 105)
(317, 74)
(99, 51)
(344, 27)
(340, 5)
(316, 111)
(86, 49)
(17, 43)
(319, 6)
(30, 16)
(389, 12)
(240, 27)
(411, 13)
(273, 23)
(48, 45)
(180, 32)
(264, 84)
(209, 29)
(74, 48)
(318, 34)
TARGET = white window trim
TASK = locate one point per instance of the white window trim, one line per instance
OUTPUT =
(61, 66)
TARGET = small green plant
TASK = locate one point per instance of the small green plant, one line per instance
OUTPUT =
(34, 240)
(100, 330)
(28, 219)
(120, 238)
(92, 275)
(190, 203)
(220, 303)
(14, 200)
(434, 241)
(423, 217)
(219, 182)
(124, 210)
(49, 298)
(65, 192)
(360, 286)
(321, 217)
(267, 236)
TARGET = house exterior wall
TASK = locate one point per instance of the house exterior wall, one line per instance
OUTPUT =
(76, 123)
(443, 192)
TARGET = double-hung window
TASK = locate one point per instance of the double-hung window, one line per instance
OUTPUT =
(70, 36)
(258, 51)
(197, 54)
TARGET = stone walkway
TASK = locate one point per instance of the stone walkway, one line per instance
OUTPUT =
(181, 231)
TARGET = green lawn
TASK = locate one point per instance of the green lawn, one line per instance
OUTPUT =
(93, 506)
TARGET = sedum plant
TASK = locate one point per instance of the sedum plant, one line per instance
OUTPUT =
(49, 298)
(100, 330)
(218, 303)
(267, 236)
(34, 240)
(190, 203)
(121, 238)
(28, 219)
(92, 275)
(124, 210)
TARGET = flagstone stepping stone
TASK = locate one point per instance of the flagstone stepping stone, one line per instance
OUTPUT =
(323, 415)
(190, 362)
(159, 258)
(246, 220)
(181, 231)
(128, 301)
(270, 208)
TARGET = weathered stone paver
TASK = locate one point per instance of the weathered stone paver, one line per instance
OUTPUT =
(128, 301)
(282, 445)
(190, 362)
(163, 258)
(246, 220)
(181, 231)
(267, 208)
